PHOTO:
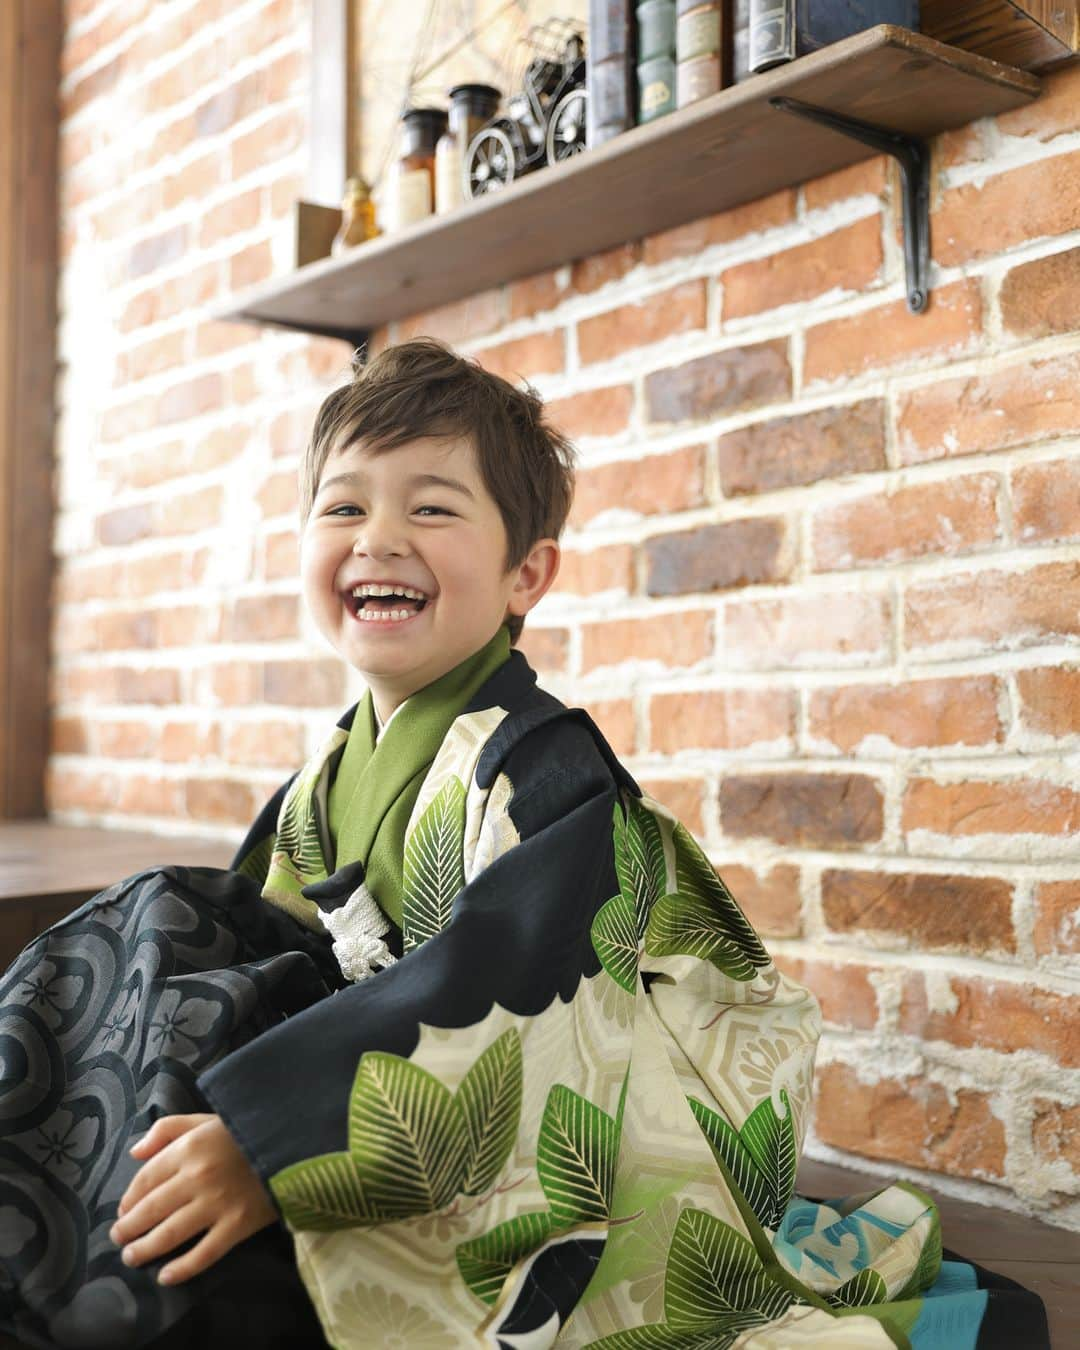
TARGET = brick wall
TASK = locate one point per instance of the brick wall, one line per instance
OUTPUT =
(821, 588)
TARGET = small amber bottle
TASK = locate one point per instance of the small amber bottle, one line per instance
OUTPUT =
(414, 184)
(357, 218)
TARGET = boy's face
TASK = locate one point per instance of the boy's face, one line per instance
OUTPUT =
(421, 520)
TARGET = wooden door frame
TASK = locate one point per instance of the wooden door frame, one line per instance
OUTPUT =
(30, 38)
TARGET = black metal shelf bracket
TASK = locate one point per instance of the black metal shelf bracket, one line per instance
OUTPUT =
(913, 156)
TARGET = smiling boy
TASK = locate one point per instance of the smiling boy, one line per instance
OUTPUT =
(471, 1020)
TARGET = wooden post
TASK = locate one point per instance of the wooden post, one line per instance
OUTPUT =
(30, 36)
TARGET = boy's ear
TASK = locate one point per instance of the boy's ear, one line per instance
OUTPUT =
(535, 576)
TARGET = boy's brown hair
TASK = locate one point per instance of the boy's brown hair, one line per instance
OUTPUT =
(423, 388)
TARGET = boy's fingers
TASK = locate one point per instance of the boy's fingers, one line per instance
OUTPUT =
(218, 1240)
(166, 1237)
(171, 1196)
(164, 1130)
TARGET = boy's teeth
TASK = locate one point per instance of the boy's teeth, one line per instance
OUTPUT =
(385, 615)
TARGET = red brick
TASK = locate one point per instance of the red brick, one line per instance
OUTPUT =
(915, 1122)
(657, 484)
(1057, 918)
(231, 104)
(146, 468)
(214, 338)
(288, 433)
(151, 358)
(546, 649)
(849, 259)
(474, 316)
(683, 797)
(1022, 404)
(128, 419)
(726, 719)
(220, 801)
(1050, 700)
(536, 294)
(948, 517)
(194, 182)
(770, 900)
(279, 495)
(192, 289)
(188, 625)
(312, 684)
(891, 335)
(1055, 1133)
(1002, 1017)
(681, 309)
(146, 796)
(264, 618)
(272, 744)
(269, 141)
(1042, 297)
(995, 609)
(806, 810)
(919, 713)
(250, 266)
(867, 178)
(1056, 110)
(148, 255)
(192, 398)
(235, 215)
(721, 382)
(1029, 202)
(1046, 501)
(192, 511)
(190, 742)
(824, 629)
(281, 556)
(236, 684)
(70, 736)
(680, 639)
(159, 686)
(843, 989)
(125, 629)
(1017, 806)
(69, 789)
(599, 569)
(766, 213)
(793, 451)
(597, 412)
(924, 911)
(718, 557)
(540, 354)
(126, 740)
(615, 718)
(598, 269)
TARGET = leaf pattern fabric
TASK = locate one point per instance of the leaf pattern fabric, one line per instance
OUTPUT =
(569, 1113)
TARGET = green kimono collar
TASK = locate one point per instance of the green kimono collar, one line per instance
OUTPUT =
(353, 802)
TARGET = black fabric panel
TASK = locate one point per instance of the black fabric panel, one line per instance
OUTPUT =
(519, 936)
(1015, 1317)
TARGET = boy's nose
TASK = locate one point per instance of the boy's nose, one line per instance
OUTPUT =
(379, 539)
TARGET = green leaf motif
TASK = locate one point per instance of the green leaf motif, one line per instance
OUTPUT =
(696, 877)
(615, 941)
(490, 1100)
(575, 1157)
(434, 869)
(861, 1290)
(322, 1194)
(407, 1137)
(713, 1272)
(683, 926)
(298, 828)
(762, 1157)
(639, 859)
(486, 1261)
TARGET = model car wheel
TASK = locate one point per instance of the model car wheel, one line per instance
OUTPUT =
(490, 163)
(566, 130)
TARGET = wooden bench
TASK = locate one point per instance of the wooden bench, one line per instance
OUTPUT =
(46, 870)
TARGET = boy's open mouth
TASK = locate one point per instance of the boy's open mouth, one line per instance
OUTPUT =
(387, 604)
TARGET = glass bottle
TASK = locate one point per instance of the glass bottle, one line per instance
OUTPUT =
(414, 182)
(471, 106)
(357, 218)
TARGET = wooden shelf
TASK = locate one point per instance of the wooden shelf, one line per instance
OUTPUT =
(727, 149)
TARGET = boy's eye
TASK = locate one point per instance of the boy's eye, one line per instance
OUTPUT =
(435, 510)
(344, 510)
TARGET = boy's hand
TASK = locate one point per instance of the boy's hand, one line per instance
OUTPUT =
(195, 1180)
